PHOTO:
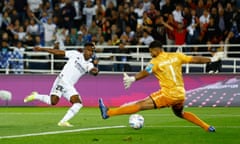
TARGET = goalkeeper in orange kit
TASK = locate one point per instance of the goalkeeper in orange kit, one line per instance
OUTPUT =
(167, 68)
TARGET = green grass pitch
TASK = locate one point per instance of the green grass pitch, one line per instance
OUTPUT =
(35, 125)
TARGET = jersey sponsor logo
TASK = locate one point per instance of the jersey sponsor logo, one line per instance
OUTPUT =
(167, 62)
(79, 66)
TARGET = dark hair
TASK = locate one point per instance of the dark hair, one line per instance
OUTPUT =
(89, 44)
(155, 44)
(146, 31)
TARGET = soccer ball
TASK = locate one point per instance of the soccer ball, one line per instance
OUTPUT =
(136, 121)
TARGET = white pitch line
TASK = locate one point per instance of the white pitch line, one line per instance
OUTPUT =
(99, 128)
(60, 132)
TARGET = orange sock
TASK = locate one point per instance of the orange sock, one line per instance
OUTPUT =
(126, 109)
(194, 119)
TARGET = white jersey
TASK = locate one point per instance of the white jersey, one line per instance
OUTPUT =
(49, 31)
(89, 13)
(34, 5)
(75, 67)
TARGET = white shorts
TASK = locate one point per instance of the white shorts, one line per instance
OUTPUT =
(61, 88)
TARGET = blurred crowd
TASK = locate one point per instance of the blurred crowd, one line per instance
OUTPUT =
(26, 23)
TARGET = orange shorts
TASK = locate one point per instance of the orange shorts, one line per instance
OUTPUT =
(162, 98)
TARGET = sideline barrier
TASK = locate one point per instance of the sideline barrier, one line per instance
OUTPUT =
(44, 63)
(202, 89)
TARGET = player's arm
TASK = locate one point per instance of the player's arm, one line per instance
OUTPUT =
(166, 24)
(95, 60)
(140, 75)
(94, 71)
(202, 60)
(128, 80)
(50, 50)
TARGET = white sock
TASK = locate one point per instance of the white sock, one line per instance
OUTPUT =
(72, 112)
(43, 98)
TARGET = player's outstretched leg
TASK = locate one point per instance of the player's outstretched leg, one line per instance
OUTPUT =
(30, 97)
(194, 119)
(103, 109)
(36, 96)
(178, 111)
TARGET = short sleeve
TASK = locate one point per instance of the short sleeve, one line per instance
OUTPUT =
(69, 54)
(90, 66)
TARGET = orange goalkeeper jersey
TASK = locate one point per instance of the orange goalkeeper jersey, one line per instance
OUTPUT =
(167, 68)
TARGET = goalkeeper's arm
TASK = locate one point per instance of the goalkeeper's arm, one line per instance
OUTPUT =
(202, 60)
(128, 80)
(140, 75)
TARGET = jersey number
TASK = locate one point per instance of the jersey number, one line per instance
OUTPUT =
(173, 73)
(59, 88)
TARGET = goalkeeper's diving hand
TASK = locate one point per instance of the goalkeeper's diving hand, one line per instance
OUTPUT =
(128, 80)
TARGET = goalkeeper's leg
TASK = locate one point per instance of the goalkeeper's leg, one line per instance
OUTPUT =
(178, 111)
(132, 107)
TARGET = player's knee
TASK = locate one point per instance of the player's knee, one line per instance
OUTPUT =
(54, 100)
(53, 103)
(178, 110)
(75, 99)
(178, 114)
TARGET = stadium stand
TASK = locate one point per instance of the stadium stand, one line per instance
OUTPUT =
(197, 27)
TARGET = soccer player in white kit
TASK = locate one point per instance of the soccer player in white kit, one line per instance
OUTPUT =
(78, 64)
